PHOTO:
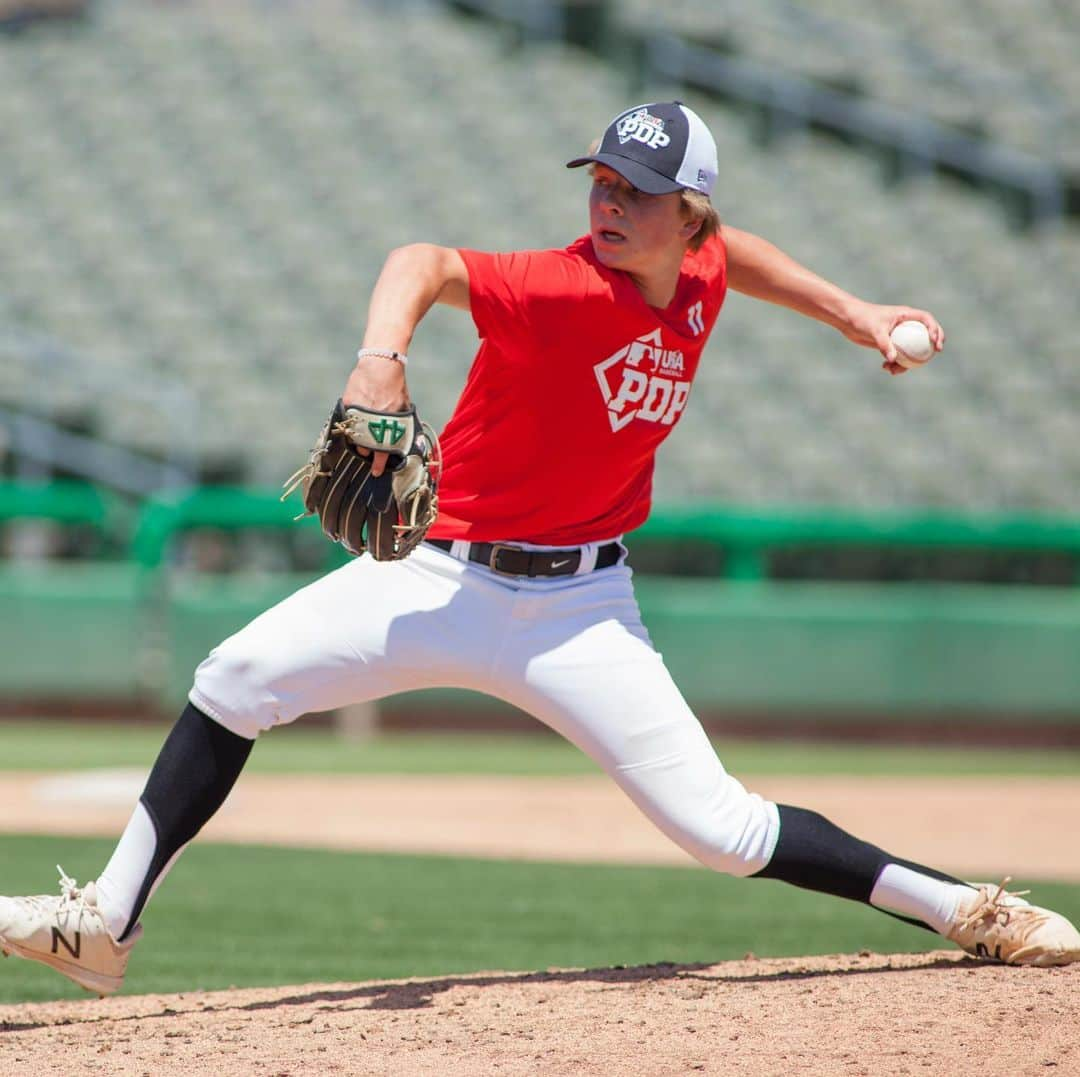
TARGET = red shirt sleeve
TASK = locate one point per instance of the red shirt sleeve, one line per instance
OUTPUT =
(517, 293)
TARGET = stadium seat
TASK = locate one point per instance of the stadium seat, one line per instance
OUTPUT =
(205, 195)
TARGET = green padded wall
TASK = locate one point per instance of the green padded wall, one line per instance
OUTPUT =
(83, 632)
(71, 631)
(899, 648)
(905, 649)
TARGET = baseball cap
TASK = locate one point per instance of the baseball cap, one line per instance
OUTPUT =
(659, 148)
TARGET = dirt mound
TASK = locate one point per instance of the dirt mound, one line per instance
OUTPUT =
(867, 1014)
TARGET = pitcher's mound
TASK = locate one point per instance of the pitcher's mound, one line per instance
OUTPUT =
(854, 1014)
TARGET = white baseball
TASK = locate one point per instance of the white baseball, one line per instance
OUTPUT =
(913, 344)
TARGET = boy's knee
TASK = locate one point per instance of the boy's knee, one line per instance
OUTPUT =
(232, 686)
(738, 840)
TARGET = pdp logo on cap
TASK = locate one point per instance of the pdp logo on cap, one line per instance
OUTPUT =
(659, 148)
(644, 128)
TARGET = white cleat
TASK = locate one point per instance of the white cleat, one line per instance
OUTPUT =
(999, 926)
(67, 933)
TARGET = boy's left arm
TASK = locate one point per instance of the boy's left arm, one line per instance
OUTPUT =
(757, 268)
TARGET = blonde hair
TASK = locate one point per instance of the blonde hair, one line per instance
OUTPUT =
(696, 206)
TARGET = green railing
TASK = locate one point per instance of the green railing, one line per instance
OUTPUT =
(746, 537)
(226, 508)
(64, 502)
(74, 504)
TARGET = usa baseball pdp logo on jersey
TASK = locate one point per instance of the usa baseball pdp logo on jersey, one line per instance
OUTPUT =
(642, 381)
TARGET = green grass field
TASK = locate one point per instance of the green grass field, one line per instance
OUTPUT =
(249, 915)
(51, 745)
(253, 915)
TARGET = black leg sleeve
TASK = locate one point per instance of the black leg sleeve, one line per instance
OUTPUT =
(817, 855)
(195, 769)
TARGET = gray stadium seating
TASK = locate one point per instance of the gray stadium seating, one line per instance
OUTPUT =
(998, 67)
(203, 193)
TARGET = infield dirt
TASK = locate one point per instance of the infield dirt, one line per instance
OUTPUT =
(936, 1013)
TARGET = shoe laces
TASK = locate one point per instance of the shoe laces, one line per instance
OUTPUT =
(70, 891)
(992, 905)
(72, 899)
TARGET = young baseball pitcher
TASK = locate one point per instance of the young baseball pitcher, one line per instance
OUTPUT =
(476, 574)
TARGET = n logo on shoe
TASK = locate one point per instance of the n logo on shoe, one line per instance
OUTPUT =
(981, 950)
(57, 937)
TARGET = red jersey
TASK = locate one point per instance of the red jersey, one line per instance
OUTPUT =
(576, 383)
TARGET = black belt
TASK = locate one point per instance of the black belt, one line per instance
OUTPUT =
(514, 561)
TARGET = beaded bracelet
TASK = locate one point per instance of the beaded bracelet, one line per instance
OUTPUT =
(386, 353)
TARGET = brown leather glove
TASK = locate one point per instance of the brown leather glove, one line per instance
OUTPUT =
(387, 515)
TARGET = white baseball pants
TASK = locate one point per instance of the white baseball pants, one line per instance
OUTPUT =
(570, 650)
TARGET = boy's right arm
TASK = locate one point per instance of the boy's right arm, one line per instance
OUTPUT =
(412, 279)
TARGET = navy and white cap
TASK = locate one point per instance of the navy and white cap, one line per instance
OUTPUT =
(659, 148)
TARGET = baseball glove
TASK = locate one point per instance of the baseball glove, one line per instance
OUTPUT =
(388, 514)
